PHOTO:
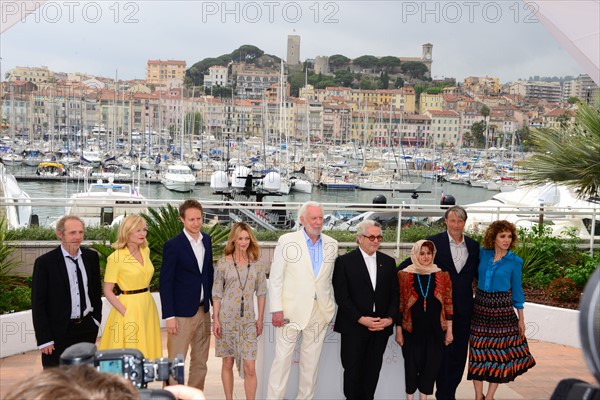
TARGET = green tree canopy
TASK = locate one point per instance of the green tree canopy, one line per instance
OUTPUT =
(398, 83)
(414, 69)
(296, 80)
(193, 122)
(338, 60)
(343, 77)
(476, 137)
(433, 90)
(370, 83)
(246, 53)
(389, 63)
(366, 61)
(385, 80)
(568, 155)
(325, 82)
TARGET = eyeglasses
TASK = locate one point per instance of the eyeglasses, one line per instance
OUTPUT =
(373, 238)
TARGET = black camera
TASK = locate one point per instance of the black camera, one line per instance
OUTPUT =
(129, 363)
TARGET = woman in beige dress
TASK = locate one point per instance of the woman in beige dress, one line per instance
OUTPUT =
(238, 276)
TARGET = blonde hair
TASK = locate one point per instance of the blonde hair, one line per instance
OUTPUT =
(129, 224)
(253, 248)
(73, 383)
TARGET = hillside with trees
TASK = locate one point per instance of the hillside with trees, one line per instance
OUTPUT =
(373, 73)
(247, 53)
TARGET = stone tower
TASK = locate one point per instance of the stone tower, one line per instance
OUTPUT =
(293, 50)
(322, 65)
(427, 57)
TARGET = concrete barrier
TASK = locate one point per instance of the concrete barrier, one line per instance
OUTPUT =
(543, 323)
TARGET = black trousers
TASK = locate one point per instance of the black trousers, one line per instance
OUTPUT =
(362, 357)
(454, 359)
(85, 331)
(422, 360)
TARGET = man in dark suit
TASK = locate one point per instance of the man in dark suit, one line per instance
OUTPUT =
(66, 294)
(458, 255)
(365, 284)
(186, 279)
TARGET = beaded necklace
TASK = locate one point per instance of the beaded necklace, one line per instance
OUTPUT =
(426, 292)
(240, 280)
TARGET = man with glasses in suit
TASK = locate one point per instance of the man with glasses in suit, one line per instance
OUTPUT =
(366, 291)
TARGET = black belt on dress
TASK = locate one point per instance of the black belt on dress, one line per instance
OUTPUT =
(134, 291)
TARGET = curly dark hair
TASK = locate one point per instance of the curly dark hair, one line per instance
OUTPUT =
(494, 229)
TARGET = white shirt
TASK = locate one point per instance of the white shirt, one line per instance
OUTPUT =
(371, 262)
(459, 252)
(74, 286)
(198, 248)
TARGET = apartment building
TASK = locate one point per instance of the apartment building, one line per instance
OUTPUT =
(445, 127)
(582, 87)
(431, 102)
(336, 122)
(163, 72)
(37, 75)
(217, 76)
(547, 91)
(468, 117)
(476, 86)
(252, 83)
(557, 118)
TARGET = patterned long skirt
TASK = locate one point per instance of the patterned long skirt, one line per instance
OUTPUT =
(497, 352)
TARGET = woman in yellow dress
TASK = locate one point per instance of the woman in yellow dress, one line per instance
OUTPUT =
(133, 321)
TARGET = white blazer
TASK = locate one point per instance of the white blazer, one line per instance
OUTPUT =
(292, 283)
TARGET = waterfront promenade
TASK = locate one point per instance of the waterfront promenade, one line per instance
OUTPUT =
(554, 363)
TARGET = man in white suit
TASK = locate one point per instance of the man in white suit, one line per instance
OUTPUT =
(301, 300)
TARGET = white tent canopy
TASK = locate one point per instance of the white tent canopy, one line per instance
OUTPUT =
(575, 24)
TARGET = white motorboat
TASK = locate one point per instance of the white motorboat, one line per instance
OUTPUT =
(179, 178)
(17, 210)
(379, 180)
(50, 169)
(12, 159)
(91, 157)
(104, 202)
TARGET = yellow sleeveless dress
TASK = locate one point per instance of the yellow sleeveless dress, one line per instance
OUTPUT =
(140, 327)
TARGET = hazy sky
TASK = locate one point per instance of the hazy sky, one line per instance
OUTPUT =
(470, 38)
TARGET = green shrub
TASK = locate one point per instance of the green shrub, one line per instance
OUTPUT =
(580, 272)
(15, 294)
(7, 262)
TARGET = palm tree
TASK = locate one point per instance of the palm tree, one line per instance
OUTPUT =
(569, 155)
(485, 111)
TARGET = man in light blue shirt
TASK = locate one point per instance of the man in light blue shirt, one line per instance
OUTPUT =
(301, 298)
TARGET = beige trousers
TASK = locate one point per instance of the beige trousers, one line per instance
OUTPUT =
(193, 334)
(313, 337)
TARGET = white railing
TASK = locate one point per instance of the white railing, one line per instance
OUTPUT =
(479, 217)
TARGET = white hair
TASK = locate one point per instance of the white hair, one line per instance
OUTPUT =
(363, 225)
(304, 207)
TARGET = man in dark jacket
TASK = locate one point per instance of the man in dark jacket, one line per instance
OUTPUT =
(66, 294)
(365, 284)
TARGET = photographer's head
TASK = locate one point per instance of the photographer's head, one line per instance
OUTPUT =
(73, 383)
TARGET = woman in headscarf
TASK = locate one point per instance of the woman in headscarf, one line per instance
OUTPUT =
(425, 319)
